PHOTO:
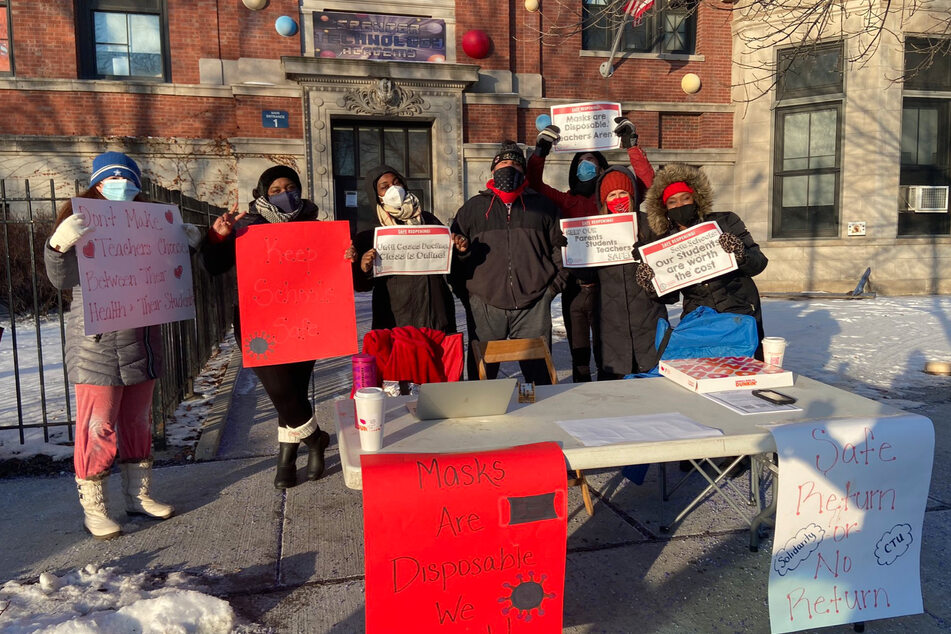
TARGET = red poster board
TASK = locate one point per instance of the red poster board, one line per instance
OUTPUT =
(468, 542)
(295, 292)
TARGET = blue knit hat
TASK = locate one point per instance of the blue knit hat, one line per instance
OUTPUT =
(114, 164)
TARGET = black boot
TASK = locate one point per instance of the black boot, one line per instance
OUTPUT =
(286, 475)
(316, 444)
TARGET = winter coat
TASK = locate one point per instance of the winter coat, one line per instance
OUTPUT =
(219, 256)
(513, 257)
(120, 357)
(423, 301)
(734, 292)
(629, 314)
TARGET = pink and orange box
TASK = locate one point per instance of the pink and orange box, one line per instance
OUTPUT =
(716, 374)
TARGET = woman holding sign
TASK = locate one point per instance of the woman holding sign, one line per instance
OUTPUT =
(113, 372)
(422, 301)
(629, 314)
(277, 198)
(681, 197)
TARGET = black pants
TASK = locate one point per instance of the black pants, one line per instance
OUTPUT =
(583, 326)
(288, 385)
(488, 323)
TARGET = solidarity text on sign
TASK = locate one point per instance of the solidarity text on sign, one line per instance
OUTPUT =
(851, 501)
(688, 257)
(412, 250)
(598, 240)
(586, 127)
(295, 292)
(134, 265)
(465, 542)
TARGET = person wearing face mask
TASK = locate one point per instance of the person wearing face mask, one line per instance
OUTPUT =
(508, 260)
(422, 301)
(277, 198)
(628, 313)
(580, 298)
(681, 197)
(113, 372)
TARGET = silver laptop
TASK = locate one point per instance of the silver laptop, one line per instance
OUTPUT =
(464, 399)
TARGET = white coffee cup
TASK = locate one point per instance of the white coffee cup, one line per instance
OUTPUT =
(773, 350)
(368, 402)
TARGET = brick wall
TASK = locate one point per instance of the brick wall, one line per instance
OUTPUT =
(490, 123)
(44, 38)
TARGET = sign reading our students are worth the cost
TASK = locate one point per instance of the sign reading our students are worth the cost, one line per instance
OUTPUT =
(687, 258)
(134, 265)
(586, 127)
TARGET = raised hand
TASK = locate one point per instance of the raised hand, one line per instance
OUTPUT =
(548, 137)
(626, 130)
(224, 224)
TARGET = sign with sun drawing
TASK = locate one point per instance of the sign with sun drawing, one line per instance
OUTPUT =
(466, 542)
(295, 292)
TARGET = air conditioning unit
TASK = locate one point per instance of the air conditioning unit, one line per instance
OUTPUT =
(928, 199)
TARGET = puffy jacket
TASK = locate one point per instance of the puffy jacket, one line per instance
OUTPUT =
(513, 258)
(121, 357)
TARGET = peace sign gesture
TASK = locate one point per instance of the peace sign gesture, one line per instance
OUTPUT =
(224, 224)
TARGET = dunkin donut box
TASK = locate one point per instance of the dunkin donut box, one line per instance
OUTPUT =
(715, 374)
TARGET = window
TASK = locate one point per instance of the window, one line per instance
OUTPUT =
(6, 39)
(667, 27)
(807, 160)
(925, 126)
(121, 39)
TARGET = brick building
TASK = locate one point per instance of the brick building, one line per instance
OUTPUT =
(207, 93)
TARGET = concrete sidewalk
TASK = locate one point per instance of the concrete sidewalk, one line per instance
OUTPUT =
(293, 560)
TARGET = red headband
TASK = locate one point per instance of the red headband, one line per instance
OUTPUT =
(675, 188)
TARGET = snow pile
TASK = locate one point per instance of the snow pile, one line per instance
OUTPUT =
(101, 601)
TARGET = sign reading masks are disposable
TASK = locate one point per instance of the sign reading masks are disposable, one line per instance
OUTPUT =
(687, 258)
(586, 127)
(134, 265)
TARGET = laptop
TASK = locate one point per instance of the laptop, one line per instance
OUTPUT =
(464, 399)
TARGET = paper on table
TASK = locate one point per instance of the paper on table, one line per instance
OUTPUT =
(595, 432)
(743, 402)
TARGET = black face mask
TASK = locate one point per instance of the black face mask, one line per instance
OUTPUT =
(685, 215)
(507, 179)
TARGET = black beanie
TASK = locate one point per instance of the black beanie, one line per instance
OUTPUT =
(509, 151)
(271, 174)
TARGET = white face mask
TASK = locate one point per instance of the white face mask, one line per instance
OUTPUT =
(394, 196)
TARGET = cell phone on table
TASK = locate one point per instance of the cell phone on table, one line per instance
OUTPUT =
(774, 397)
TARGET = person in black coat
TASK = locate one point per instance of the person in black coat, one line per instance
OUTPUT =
(680, 197)
(629, 313)
(423, 301)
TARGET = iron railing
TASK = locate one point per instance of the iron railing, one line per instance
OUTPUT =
(31, 315)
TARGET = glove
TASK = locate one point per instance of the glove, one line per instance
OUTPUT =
(626, 130)
(68, 233)
(636, 253)
(194, 234)
(643, 277)
(561, 240)
(731, 244)
(548, 137)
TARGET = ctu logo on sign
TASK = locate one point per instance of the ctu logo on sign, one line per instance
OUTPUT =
(275, 119)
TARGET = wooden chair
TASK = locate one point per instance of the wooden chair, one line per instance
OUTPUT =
(500, 350)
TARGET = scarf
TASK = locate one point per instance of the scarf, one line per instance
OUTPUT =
(507, 197)
(409, 212)
(272, 213)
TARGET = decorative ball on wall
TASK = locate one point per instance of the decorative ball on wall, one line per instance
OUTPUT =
(476, 44)
(690, 84)
(286, 26)
(255, 5)
(531, 5)
(542, 121)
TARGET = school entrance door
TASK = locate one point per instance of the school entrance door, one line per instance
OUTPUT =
(358, 145)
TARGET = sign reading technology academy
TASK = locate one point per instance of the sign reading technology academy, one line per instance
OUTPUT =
(380, 37)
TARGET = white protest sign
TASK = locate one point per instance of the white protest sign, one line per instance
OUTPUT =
(586, 127)
(134, 266)
(688, 257)
(851, 499)
(412, 250)
(598, 240)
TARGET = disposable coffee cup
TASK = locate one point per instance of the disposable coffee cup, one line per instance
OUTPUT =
(773, 350)
(369, 409)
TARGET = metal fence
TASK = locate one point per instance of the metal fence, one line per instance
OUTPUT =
(34, 390)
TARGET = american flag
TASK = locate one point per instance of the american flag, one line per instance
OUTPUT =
(637, 8)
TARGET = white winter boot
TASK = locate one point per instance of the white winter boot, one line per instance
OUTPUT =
(92, 497)
(136, 481)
